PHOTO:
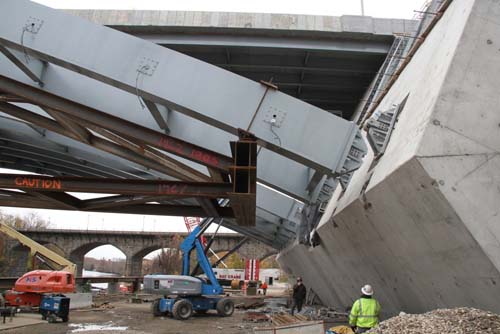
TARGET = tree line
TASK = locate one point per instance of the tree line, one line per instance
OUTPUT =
(31, 220)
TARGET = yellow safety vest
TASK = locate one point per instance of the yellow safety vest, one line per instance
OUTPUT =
(364, 313)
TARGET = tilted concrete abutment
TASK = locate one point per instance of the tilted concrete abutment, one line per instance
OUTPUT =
(425, 232)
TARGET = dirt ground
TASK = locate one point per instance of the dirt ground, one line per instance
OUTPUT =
(125, 317)
(137, 319)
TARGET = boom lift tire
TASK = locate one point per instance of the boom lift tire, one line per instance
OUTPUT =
(225, 307)
(155, 308)
(182, 310)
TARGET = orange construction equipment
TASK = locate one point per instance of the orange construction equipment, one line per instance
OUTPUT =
(30, 287)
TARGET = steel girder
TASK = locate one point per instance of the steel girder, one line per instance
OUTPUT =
(19, 136)
(269, 209)
(275, 42)
(277, 212)
(115, 186)
(302, 141)
(223, 100)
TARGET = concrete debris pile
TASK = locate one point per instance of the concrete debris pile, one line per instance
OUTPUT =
(458, 320)
(325, 313)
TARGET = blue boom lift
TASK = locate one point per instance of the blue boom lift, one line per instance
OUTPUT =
(185, 294)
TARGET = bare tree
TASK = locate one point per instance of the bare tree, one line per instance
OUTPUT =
(168, 261)
(31, 220)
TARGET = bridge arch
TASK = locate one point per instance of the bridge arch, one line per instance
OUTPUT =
(135, 260)
(77, 255)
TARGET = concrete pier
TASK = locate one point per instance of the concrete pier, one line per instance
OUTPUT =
(423, 226)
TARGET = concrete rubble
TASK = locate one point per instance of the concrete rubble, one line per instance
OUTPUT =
(461, 320)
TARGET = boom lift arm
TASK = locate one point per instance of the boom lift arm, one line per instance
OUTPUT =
(193, 242)
(38, 249)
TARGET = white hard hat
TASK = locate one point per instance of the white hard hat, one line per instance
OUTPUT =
(367, 290)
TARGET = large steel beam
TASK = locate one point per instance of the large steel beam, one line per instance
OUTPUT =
(63, 199)
(176, 168)
(119, 200)
(115, 186)
(166, 210)
(49, 162)
(17, 136)
(121, 126)
(275, 171)
(295, 69)
(223, 99)
(277, 42)
(97, 142)
(142, 209)
(270, 202)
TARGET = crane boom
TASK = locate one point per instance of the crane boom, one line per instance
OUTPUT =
(39, 249)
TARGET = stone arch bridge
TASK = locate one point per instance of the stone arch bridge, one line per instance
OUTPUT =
(74, 244)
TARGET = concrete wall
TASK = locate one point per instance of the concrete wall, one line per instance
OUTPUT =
(461, 146)
(159, 18)
(425, 233)
(79, 300)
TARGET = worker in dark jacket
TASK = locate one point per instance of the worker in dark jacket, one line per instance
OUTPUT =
(299, 295)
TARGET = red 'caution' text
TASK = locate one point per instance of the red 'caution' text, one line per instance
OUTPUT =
(37, 183)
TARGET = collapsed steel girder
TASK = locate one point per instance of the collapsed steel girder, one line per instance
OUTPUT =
(162, 76)
(301, 145)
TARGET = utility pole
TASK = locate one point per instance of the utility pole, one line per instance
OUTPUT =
(362, 8)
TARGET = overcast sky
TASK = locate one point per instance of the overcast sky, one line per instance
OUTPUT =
(95, 221)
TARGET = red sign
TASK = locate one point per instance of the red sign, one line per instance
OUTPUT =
(252, 270)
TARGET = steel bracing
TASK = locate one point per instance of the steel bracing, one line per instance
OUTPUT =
(97, 110)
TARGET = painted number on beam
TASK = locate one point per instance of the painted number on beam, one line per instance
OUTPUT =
(175, 146)
(38, 183)
(171, 189)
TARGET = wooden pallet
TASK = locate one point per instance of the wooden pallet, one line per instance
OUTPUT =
(287, 319)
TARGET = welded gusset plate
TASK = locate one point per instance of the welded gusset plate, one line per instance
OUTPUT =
(244, 177)
(115, 186)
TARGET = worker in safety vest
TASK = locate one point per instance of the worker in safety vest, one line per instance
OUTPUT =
(365, 311)
(263, 286)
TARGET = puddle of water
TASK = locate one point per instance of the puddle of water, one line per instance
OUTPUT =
(96, 327)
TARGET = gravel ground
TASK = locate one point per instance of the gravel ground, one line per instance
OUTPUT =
(461, 320)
